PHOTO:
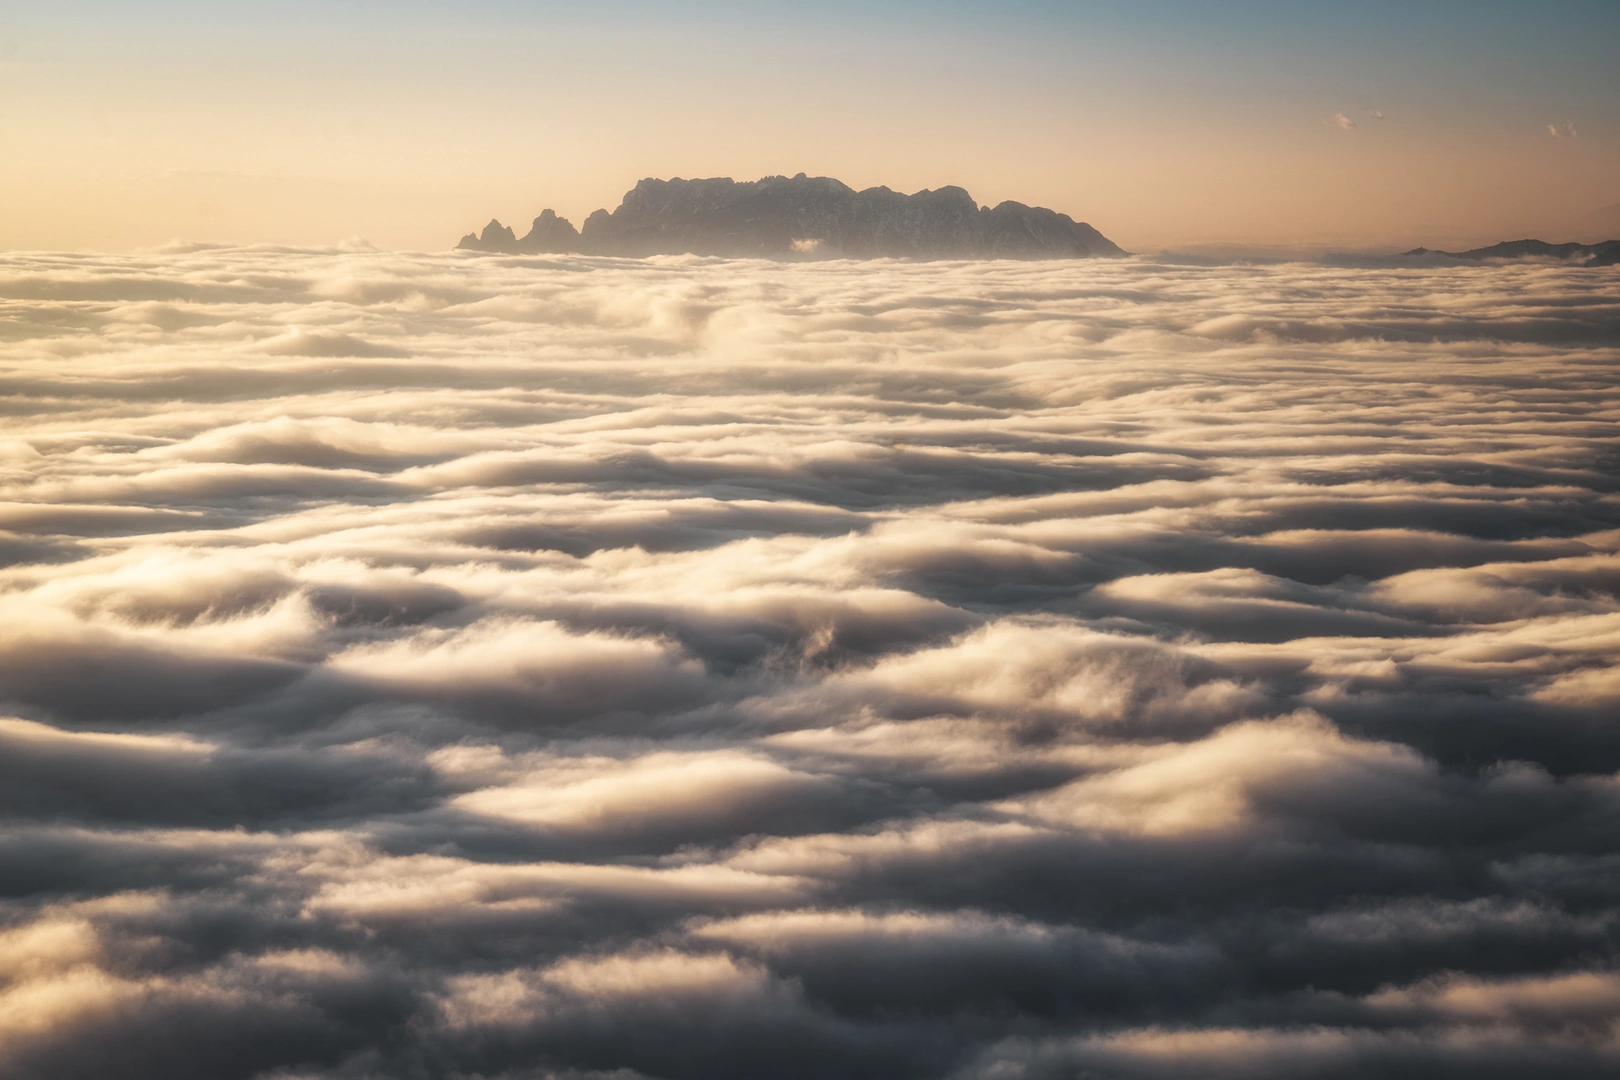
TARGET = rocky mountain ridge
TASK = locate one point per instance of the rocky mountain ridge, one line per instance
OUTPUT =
(803, 217)
(1603, 253)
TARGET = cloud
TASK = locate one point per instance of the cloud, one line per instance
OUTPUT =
(1343, 121)
(1561, 131)
(679, 668)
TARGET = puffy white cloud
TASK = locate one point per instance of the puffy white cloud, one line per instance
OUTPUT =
(440, 665)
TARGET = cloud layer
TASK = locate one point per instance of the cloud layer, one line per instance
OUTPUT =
(431, 666)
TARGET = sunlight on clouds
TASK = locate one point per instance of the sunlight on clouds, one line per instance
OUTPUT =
(680, 668)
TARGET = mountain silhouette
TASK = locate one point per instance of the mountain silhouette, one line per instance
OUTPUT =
(1603, 253)
(803, 217)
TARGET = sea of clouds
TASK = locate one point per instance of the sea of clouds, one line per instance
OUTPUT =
(419, 666)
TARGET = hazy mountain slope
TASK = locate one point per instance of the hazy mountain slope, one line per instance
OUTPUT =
(1521, 249)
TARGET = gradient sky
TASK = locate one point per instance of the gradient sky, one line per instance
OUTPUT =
(1166, 125)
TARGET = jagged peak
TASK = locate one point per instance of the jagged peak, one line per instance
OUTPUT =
(804, 216)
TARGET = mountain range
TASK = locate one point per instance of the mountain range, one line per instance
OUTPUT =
(803, 217)
(1603, 253)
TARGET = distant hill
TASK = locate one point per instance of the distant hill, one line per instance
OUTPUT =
(1603, 253)
(803, 216)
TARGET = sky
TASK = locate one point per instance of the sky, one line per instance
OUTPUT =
(1167, 125)
(445, 666)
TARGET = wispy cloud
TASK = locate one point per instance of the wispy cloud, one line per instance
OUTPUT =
(1343, 121)
(1562, 131)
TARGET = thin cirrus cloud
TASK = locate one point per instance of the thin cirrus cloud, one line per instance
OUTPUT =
(429, 665)
(1347, 122)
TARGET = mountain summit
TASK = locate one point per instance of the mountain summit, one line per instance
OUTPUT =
(804, 216)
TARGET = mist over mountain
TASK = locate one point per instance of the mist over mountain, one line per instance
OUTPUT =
(1603, 253)
(781, 216)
